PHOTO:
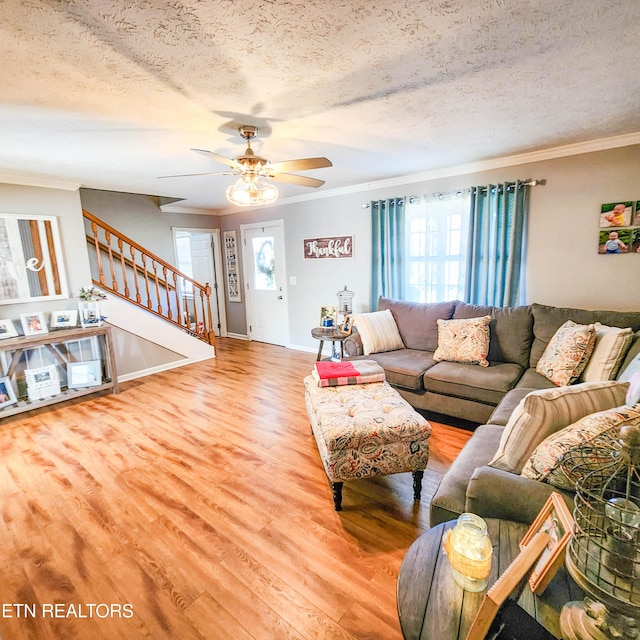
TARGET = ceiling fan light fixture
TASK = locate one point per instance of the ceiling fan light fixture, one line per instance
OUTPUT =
(252, 192)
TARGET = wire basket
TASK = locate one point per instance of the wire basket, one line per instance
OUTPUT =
(604, 553)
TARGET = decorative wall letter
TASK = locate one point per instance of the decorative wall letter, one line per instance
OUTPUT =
(31, 260)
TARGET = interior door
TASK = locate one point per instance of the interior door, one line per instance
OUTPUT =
(198, 255)
(265, 282)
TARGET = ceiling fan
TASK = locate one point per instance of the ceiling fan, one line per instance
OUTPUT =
(251, 187)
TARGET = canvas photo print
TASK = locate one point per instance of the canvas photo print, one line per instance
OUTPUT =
(616, 214)
(615, 241)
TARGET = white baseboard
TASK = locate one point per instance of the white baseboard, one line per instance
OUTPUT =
(237, 336)
(163, 367)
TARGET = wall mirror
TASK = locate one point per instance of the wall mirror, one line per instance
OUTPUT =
(31, 259)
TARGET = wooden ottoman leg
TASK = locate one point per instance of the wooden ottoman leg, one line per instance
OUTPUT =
(337, 495)
(417, 484)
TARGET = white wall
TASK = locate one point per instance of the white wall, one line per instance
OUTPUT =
(563, 266)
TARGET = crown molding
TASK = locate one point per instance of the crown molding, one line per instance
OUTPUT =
(601, 144)
(196, 210)
(45, 183)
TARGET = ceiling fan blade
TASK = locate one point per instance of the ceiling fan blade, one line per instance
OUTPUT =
(218, 158)
(188, 175)
(291, 178)
(304, 164)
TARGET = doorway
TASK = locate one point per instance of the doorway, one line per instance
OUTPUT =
(198, 255)
(265, 276)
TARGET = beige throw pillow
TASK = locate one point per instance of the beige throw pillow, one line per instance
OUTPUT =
(544, 412)
(378, 331)
(463, 340)
(567, 353)
(612, 344)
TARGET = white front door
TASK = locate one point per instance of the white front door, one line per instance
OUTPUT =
(265, 282)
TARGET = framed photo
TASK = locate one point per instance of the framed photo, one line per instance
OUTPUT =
(7, 394)
(556, 520)
(84, 374)
(347, 325)
(64, 319)
(7, 329)
(33, 323)
(42, 382)
(234, 293)
(328, 317)
(90, 315)
(495, 597)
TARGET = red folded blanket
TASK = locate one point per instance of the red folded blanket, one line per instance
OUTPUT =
(334, 374)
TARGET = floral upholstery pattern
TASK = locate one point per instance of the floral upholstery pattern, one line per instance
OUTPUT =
(463, 340)
(567, 353)
(546, 460)
(365, 430)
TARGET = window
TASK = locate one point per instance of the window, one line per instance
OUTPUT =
(436, 247)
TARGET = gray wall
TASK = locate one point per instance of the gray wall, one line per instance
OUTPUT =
(140, 218)
(563, 266)
(51, 202)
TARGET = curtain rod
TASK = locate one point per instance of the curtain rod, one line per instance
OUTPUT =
(440, 195)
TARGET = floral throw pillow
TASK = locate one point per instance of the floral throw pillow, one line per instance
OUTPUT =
(545, 463)
(463, 340)
(567, 353)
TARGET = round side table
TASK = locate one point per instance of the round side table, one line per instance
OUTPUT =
(431, 606)
(333, 334)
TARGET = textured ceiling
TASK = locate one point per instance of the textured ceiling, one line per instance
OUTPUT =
(111, 94)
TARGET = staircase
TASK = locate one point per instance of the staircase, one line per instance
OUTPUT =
(128, 271)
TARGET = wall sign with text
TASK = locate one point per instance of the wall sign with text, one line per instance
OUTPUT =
(333, 247)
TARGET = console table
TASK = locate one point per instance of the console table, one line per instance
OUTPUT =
(13, 350)
(431, 606)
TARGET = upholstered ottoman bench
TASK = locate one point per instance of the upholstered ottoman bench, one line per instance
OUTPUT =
(364, 430)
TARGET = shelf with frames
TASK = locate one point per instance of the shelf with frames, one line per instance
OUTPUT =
(59, 347)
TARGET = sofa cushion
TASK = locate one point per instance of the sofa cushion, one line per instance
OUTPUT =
(510, 331)
(609, 351)
(633, 392)
(404, 367)
(378, 332)
(547, 319)
(545, 463)
(486, 384)
(507, 405)
(544, 412)
(450, 497)
(531, 379)
(567, 353)
(630, 366)
(463, 340)
(417, 320)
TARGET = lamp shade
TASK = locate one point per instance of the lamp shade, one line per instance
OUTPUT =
(251, 190)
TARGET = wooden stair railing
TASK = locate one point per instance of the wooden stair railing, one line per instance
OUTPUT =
(139, 276)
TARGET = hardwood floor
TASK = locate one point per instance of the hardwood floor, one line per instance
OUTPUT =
(193, 505)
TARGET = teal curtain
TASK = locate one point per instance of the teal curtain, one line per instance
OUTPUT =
(387, 249)
(497, 245)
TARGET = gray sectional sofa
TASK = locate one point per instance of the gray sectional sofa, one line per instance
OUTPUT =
(483, 395)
